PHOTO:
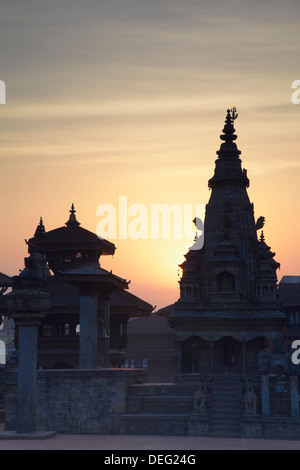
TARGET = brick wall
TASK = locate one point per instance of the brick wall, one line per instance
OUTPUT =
(79, 401)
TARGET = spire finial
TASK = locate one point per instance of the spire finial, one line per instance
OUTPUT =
(40, 230)
(72, 210)
(262, 237)
(72, 219)
(228, 147)
(229, 131)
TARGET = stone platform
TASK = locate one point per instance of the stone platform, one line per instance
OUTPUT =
(35, 435)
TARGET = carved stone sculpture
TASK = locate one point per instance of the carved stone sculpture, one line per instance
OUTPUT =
(200, 401)
(250, 401)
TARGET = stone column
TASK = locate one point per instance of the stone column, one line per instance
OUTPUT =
(88, 332)
(211, 357)
(27, 378)
(244, 357)
(179, 356)
(294, 396)
(265, 396)
(27, 302)
(103, 359)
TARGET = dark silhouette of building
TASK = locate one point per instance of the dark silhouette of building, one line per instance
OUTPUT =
(235, 375)
(151, 345)
(289, 295)
(228, 310)
(69, 249)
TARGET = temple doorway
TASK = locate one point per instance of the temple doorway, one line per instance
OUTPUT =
(195, 355)
(253, 348)
(227, 354)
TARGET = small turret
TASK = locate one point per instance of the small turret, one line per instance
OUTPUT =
(72, 219)
(40, 230)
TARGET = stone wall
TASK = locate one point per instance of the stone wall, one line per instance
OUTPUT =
(281, 428)
(79, 401)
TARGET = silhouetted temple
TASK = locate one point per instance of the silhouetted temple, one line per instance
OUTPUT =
(228, 309)
(72, 254)
(235, 375)
(230, 327)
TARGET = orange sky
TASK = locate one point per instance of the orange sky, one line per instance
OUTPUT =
(129, 98)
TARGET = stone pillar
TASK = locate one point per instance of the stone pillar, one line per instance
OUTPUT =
(265, 396)
(244, 357)
(27, 378)
(294, 396)
(179, 356)
(211, 357)
(27, 303)
(103, 359)
(88, 332)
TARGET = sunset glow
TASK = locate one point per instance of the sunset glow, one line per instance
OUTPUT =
(128, 97)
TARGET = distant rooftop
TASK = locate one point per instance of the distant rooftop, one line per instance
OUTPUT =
(289, 290)
(290, 280)
(5, 281)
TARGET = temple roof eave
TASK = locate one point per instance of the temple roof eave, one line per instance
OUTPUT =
(91, 272)
(64, 238)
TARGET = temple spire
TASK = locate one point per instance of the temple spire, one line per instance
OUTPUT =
(228, 170)
(229, 130)
(228, 147)
(72, 219)
(40, 230)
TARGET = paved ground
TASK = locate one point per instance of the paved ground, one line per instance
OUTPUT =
(149, 443)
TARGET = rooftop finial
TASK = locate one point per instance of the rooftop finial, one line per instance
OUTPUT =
(228, 147)
(229, 130)
(234, 114)
(262, 237)
(72, 219)
(40, 230)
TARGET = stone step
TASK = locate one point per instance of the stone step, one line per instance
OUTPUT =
(225, 396)
(229, 435)
(225, 407)
(166, 409)
(159, 404)
(162, 390)
(224, 428)
(230, 405)
(225, 393)
(224, 423)
(225, 413)
(155, 424)
(220, 405)
(226, 384)
(226, 388)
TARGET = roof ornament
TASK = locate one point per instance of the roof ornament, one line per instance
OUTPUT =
(229, 131)
(262, 237)
(40, 230)
(72, 219)
(260, 222)
(234, 114)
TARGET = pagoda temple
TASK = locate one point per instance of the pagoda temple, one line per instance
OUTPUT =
(82, 293)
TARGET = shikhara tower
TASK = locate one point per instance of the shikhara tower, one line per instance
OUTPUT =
(228, 309)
